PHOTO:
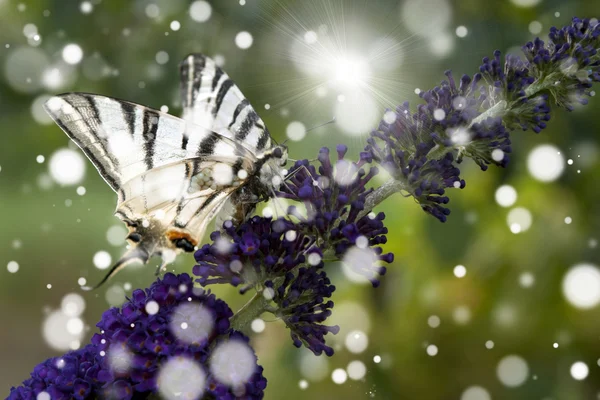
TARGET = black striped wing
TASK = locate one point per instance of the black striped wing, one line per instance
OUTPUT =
(212, 100)
(151, 159)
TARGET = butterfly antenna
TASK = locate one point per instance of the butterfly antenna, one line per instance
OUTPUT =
(331, 121)
(128, 258)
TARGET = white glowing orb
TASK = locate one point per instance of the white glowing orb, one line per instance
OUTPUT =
(350, 70)
(162, 57)
(72, 305)
(310, 37)
(434, 321)
(426, 17)
(43, 396)
(120, 358)
(296, 131)
(432, 350)
(350, 316)
(75, 326)
(303, 384)
(86, 7)
(116, 234)
(312, 367)
(12, 267)
(442, 44)
(581, 286)
(579, 371)
(152, 307)
(439, 114)
(81, 190)
(222, 174)
(258, 325)
(461, 315)
(181, 378)
(475, 393)
(535, 27)
(489, 344)
(243, 40)
(66, 167)
(356, 370)
(59, 333)
(198, 319)
(233, 363)
(389, 117)
(175, 25)
(356, 342)
(497, 155)
(358, 114)
(462, 31)
(37, 110)
(355, 259)
(200, 11)
(102, 259)
(526, 3)
(512, 371)
(115, 295)
(526, 279)
(519, 219)
(24, 67)
(545, 163)
(377, 359)
(506, 196)
(72, 54)
(339, 376)
(460, 271)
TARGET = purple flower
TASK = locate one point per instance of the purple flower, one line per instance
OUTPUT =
(171, 320)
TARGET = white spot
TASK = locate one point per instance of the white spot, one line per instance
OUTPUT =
(389, 117)
(152, 307)
(267, 106)
(12, 267)
(459, 102)
(222, 174)
(377, 359)
(461, 315)
(199, 323)
(115, 295)
(164, 108)
(439, 114)
(86, 7)
(356, 370)
(313, 368)
(181, 378)
(59, 331)
(426, 17)
(432, 350)
(568, 220)
(525, 3)
(303, 384)
(526, 279)
(162, 57)
(43, 396)
(310, 37)
(49, 286)
(339, 376)
(314, 259)
(72, 54)
(175, 25)
(462, 31)
(545, 163)
(555, 345)
(356, 342)
(354, 260)
(242, 174)
(579, 371)
(102, 259)
(258, 325)
(116, 234)
(200, 11)
(243, 40)
(268, 293)
(40, 159)
(497, 155)
(233, 363)
(236, 266)
(512, 371)
(434, 321)
(459, 136)
(290, 236)
(460, 271)
(66, 167)
(489, 344)
(81, 281)
(152, 11)
(296, 131)
(81, 190)
(506, 196)
(345, 172)
(581, 286)
(72, 305)
(37, 110)
(223, 245)
(535, 27)
(358, 112)
(519, 220)
(475, 393)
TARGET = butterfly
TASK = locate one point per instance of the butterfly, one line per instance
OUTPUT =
(173, 175)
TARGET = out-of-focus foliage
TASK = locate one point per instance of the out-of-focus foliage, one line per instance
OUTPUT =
(510, 302)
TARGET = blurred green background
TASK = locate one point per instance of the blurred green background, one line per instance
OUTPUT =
(511, 301)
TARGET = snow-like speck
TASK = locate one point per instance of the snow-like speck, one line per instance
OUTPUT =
(102, 259)
(579, 370)
(258, 325)
(296, 131)
(581, 286)
(233, 362)
(356, 342)
(356, 370)
(512, 371)
(12, 267)
(475, 393)
(199, 322)
(181, 378)
(66, 167)
(72, 54)
(243, 40)
(545, 163)
(200, 11)
(506, 196)
(460, 271)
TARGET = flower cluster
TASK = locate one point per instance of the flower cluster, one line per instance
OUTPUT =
(473, 119)
(171, 330)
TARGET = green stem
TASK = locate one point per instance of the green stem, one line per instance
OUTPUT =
(242, 319)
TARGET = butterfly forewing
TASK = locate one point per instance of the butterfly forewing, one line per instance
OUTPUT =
(211, 99)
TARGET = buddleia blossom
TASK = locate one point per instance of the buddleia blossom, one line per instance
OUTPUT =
(162, 340)
(474, 117)
(334, 197)
(278, 260)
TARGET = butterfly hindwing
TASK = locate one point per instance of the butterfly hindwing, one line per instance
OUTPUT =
(212, 100)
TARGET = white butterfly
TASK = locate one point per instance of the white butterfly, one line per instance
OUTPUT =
(173, 175)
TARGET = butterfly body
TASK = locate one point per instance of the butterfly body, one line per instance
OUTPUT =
(173, 175)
